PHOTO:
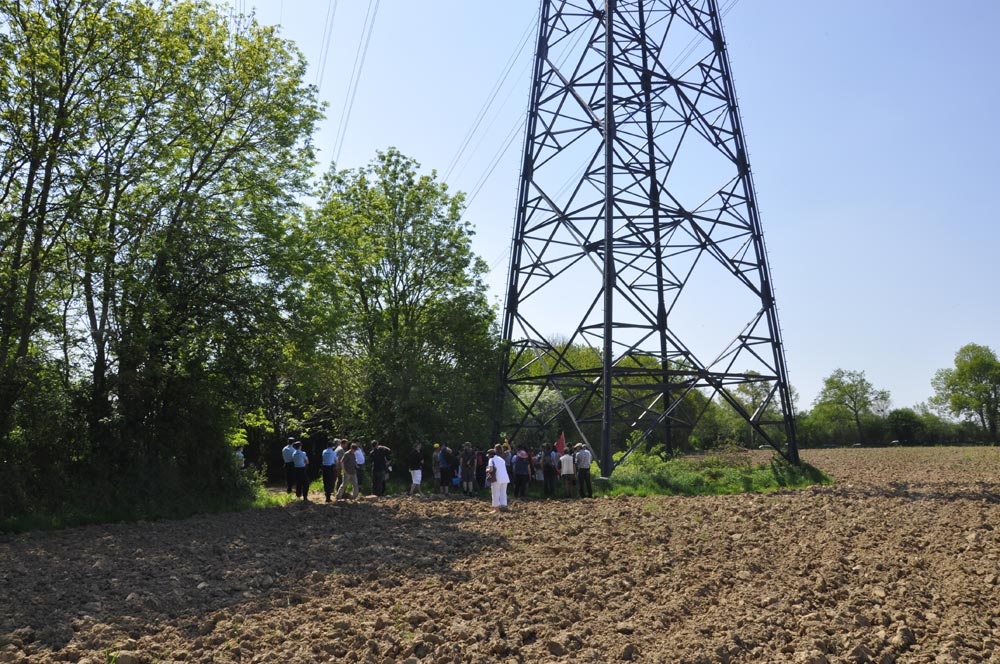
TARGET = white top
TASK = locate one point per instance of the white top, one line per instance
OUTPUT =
(566, 464)
(360, 456)
(500, 467)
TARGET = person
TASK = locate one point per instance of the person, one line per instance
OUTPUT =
(583, 459)
(468, 468)
(481, 459)
(415, 466)
(359, 455)
(349, 470)
(522, 472)
(567, 470)
(338, 451)
(497, 472)
(329, 467)
(300, 460)
(286, 455)
(550, 470)
(436, 467)
(380, 467)
(447, 471)
(241, 460)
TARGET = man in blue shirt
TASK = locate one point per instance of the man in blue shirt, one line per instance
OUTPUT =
(329, 467)
(300, 460)
(286, 455)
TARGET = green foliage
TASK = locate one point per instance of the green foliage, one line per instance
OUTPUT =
(417, 329)
(149, 155)
(971, 390)
(723, 473)
(847, 396)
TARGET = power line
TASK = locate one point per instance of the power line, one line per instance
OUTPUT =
(359, 63)
(331, 12)
(491, 97)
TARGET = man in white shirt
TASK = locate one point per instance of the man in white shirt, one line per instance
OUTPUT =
(359, 456)
(286, 455)
(583, 459)
(567, 471)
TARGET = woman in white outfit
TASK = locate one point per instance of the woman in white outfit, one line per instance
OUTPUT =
(497, 467)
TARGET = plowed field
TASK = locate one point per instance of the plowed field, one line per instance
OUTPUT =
(897, 561)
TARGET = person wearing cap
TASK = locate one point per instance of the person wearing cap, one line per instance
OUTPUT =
(286, 455)
(497, 472)
(567, 471)
(300, 460)
(349, 468)
(329, 469)
(415, 466)
(522, 472)
(583, 459)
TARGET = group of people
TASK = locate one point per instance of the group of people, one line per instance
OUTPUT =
(473, 470)
(343, 465)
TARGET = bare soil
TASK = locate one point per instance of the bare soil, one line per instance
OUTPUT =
(897, 561)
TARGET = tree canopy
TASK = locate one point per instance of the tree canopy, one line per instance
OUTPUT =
(415, 317)
(849, 395)
(148, 156)
(971, 389)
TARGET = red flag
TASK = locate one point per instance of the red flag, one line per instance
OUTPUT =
(561, 443)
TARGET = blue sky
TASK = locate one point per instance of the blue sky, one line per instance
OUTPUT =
(872, 135)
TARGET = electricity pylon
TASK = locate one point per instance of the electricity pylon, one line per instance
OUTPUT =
(639, 287)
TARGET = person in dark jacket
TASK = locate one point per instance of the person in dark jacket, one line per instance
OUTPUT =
(380, 467)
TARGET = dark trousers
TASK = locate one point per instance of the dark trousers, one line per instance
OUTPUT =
(378, 481)
(361, 477)
(290, 475)
(301, 483)
(586, 487)
(521, 485)
(568, 484)
(329, 479)
(549, 482)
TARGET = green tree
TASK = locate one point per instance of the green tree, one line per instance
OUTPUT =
(392, 244)
(849, 395)
(149, 155)
(905, 425)
(971, 390)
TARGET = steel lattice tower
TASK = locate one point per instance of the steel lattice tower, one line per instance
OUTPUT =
(636, 214)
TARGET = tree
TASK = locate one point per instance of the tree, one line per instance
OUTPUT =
(905, 425)
(149, 154)
(849, 395)
(391, 244)
(971, 390)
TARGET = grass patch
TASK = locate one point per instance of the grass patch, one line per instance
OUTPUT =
(256, 495)
(716, 474)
